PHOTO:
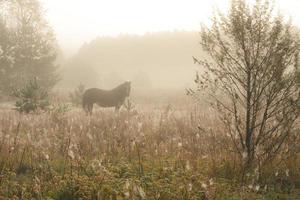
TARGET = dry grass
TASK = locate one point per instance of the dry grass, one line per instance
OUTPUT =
(152, 152)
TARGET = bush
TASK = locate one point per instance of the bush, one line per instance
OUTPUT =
(31, 97)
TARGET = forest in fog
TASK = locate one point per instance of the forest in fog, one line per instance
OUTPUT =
(154, 60)
(208, 114)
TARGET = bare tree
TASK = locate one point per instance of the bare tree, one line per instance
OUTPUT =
(250, 75)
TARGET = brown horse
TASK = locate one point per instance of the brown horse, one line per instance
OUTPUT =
(106, 98)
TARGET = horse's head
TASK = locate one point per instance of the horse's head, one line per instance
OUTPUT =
(127, 85)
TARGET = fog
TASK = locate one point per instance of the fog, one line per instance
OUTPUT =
(114, 99)
(78, 21)
(157, 60)
(151, 43)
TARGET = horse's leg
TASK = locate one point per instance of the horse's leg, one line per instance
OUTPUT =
(117, 108)
(86, 109)
(90, 108)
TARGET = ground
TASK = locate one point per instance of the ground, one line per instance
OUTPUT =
(154, 150)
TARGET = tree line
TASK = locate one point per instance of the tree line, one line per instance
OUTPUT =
(28, 48)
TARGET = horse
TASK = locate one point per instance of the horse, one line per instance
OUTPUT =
(106, 98)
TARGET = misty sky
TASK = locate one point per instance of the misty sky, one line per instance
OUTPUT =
(79, 21)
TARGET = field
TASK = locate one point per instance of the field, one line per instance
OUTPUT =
(157, 149)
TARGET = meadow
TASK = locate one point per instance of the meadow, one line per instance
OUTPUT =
(151, 149)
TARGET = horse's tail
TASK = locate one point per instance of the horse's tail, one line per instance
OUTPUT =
(84, 103)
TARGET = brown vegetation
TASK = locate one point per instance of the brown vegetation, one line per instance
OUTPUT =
(142, 154)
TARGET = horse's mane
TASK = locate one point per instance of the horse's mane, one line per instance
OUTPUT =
(120, 87)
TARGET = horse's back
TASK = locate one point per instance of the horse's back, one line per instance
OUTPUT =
(101, 97)
(93, 91)
(106, 98)
(91, 95)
